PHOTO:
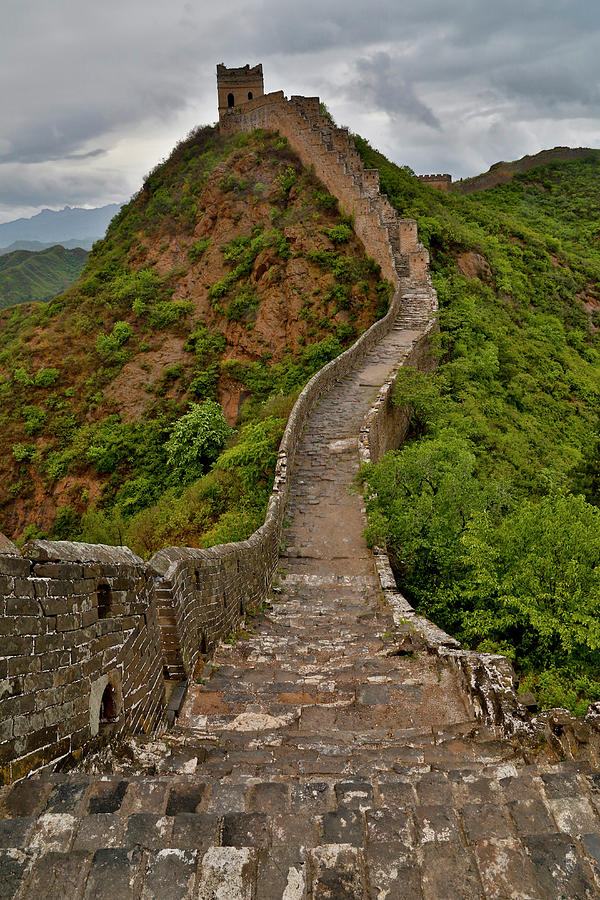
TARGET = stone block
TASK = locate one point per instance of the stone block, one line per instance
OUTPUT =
(106, 797)
(148, 831)
(336, 873)
(227, 873)
(16, 832)
(392, 872)
(343, 826)
(245, 830)
(170, 874)
(102, 830)
(448, 870)
(114, 873)
(195, 831)
(558, 868)
(14, 865)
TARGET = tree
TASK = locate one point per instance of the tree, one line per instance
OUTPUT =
(197, 439)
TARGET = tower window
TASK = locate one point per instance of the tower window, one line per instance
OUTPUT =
(250, 95)
(230, 100)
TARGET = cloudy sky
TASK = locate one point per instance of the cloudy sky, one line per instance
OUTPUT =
(95, 93)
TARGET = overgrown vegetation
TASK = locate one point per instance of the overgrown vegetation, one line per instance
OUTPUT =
(490, 510)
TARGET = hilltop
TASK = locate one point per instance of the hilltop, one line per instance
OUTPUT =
(225, 283)
(27, 275)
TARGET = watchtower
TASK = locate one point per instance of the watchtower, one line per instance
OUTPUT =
(237, 86)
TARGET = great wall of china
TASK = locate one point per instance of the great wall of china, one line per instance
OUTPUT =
(317, 761)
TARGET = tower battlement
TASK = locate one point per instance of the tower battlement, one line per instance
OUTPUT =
(237, 86)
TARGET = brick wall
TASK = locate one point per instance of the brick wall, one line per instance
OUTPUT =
(441, 182)
(76, 620)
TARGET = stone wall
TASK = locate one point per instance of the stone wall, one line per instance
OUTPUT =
(79, 626)
(339, 166)
(440, 182)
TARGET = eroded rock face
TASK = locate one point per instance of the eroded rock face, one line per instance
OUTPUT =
(7, 547)
(474, 265)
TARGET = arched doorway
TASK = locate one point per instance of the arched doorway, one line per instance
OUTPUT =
(230, 100)
(250, 97)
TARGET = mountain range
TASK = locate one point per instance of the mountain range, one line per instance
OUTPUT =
(71, 226)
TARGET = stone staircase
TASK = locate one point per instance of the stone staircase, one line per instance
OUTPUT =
(324, 754)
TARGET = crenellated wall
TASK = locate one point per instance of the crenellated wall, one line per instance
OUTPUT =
(441, 182)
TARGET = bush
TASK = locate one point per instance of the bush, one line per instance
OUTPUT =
(339, 234)
(46, 378)
(254, 455)
(109, 346)
(196, 439)
(23, 452)
(198, 249)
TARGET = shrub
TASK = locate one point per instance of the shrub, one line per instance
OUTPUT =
(46, 377)
(287, 180)
(196, 439)
(67, 524)
(254, 455)
(325, 200)
(23, 452)
(34, 417)
(198, 249)
(339, 234)
(243, 306)
(110, 346)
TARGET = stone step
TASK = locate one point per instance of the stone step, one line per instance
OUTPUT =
(455, 834)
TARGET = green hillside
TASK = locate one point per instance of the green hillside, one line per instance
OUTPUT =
(490, 511)
(27, 275)
(145, 405)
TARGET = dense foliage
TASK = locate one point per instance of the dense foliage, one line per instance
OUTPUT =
(489, 511)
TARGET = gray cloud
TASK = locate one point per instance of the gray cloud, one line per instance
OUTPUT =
(98, 92)
(384, 82)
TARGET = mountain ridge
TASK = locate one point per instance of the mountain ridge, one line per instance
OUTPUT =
(69, 223)
(502, 172)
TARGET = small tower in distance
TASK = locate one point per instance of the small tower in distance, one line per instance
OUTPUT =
(237, 86)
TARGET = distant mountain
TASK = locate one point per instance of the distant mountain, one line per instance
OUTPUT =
(71, 224)
(27, 275)
(84, 244)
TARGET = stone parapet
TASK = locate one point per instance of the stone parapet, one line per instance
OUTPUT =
(81, 652)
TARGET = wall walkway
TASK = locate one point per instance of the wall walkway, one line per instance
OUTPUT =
(191, 598)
